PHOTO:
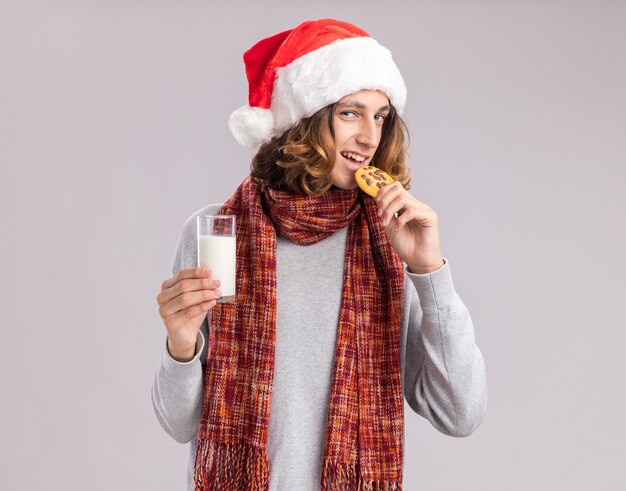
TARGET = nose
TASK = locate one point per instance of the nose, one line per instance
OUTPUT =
(368, 133)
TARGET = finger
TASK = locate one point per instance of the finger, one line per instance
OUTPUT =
(398, 205)
(198, 272)
(423, 215)
(192, 312)
(388, 188)
(397, 187)
(186, 285)
(406, 217)
(383, 199)
(188, 299)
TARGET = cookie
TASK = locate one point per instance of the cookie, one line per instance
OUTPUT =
(371, 179)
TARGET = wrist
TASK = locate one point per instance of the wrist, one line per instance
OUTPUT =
(181, 353)
(421, 269)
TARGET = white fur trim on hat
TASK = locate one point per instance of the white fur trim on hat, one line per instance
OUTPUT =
(315, 80)
(325, 75)
(251, 126)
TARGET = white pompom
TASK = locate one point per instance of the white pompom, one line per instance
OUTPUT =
(251, 126)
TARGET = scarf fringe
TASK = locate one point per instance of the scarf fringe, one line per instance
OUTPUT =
(237, 467)
(337, 476)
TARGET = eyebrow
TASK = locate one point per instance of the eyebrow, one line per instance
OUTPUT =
(360, 105)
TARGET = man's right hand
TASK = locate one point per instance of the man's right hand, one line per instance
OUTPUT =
(184, 301)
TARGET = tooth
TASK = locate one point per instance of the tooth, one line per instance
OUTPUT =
(353, 156)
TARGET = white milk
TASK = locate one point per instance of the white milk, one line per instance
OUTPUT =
(219, 253)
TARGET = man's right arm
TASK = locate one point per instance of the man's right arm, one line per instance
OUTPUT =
(177, 392)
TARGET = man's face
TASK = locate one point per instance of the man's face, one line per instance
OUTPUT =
(357, 124)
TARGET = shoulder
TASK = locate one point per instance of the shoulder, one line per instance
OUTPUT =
(189, 226)
(186, 247)
(188, 230)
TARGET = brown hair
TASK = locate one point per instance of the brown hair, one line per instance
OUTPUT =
(301, 159)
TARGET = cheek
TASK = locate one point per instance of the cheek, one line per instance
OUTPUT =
(340, 131)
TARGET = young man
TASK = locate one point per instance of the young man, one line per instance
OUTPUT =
(345, 305)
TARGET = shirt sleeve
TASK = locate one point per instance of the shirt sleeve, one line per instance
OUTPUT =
(177, 393)
(445, 378)
(177, 387)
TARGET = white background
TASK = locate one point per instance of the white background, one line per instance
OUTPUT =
(113, 131)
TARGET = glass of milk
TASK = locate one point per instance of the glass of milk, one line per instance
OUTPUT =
(217, 250)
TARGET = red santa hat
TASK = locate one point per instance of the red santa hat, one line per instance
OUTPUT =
(295, 73)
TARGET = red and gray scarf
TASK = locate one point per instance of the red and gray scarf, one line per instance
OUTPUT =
(364, 434)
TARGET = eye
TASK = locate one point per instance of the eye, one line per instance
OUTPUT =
(382, 117)
(343, 113)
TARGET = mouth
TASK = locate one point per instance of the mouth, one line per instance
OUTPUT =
(354, 160)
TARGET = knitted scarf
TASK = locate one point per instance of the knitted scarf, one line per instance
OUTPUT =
(364, 434)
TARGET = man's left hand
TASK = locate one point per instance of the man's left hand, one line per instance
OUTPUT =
(414, 233)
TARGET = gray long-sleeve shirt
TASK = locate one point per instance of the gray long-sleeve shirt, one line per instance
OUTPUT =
(443, 370)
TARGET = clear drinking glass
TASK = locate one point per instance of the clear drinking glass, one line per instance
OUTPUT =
(217, 250)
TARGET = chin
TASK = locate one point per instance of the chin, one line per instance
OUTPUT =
(345, 185)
